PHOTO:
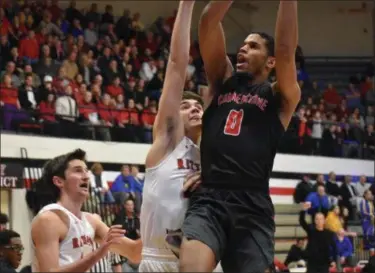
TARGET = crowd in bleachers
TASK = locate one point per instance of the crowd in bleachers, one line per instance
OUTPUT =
(100, 77)
(334, 208)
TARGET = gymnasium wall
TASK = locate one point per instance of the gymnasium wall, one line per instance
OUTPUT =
(287, 170)
(4, 201)
(326, 28)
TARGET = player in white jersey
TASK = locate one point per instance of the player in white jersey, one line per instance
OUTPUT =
(62, 234)
(173, 154)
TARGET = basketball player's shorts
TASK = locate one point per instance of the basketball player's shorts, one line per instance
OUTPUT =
(238, 226)
(158, 260)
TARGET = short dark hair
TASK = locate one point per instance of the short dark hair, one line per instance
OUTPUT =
(57, 167)
(3, 219)
(6, 236)
(28, 75)
(188, 95)
(270, 43)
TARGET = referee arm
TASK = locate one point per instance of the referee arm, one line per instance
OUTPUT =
(286, 41)
(213, 48)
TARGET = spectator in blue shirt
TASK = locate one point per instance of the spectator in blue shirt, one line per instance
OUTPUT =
(353, 97)
(138, 187)
(76, 29)
(319, 201)
(344, 250)
(124, 185)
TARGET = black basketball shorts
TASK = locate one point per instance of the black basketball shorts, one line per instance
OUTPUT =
(237, 225)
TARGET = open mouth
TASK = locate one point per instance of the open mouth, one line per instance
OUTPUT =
(195, 119)
(241, 59)
(84, 185)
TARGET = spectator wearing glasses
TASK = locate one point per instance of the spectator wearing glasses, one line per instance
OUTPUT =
(11, 250)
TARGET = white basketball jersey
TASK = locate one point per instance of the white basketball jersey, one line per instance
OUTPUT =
(78, 242)
(163, 205)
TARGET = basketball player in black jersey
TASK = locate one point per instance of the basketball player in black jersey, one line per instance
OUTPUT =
(231, 218)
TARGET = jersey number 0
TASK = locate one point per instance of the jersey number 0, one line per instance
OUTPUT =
(233, 123)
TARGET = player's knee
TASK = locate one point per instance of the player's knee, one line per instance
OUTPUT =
(196, 257)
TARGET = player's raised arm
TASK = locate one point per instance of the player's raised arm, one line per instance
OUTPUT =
(167, 123)
(212, 44)
(286, 41)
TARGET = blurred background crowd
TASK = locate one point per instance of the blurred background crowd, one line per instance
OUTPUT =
(88, 74)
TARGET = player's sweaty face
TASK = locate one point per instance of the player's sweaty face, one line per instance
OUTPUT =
(252, 56)
(77, 178)
(191, 112)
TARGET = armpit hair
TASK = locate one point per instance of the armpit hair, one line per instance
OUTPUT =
(171, 128)
(171, 125)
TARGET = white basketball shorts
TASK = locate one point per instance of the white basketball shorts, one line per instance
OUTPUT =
(158, 260)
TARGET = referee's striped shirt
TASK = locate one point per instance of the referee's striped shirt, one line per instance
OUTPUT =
(105, 264)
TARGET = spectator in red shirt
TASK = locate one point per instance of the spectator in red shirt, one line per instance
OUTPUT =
(170, 21)
(366, 86)
(134, 59)
(29, 48)
(79, 96)
(304, 132)
(122, 117)
(5, 25)
(88, 110)
(128, 121)
(59, 82)
(148, 43)
(107, 113)
(90, 116)
(331, 97)
(115, 88)
(54, 9)
(134, 120)
(120, 101)
(42, 36)
(19, 24)
(148, 119)
(47, 109)
(76, 83)
(342, 111)
(10, 104)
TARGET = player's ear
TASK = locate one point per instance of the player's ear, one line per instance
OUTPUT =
(57, 181)
(271, 62)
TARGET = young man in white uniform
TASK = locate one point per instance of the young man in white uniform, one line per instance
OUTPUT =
(62, 234)
(173, 154)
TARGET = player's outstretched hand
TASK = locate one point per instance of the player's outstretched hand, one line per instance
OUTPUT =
(114, 235)
(191, 183)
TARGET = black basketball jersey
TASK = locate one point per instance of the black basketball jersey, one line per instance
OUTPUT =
(240, 134)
